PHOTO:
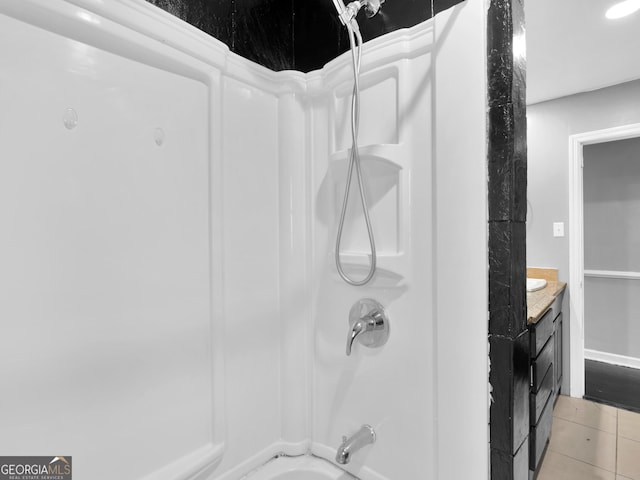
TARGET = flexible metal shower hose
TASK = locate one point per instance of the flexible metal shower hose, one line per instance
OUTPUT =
(355, 40)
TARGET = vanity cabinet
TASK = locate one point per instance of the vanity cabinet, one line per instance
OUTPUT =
(557, 363)
(545, 337)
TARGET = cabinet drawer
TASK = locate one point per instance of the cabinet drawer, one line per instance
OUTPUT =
(540, 333)
(556, 306)
(539, 400)
(540, 435)
(541, 364)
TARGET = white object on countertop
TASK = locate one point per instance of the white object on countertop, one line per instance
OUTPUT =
(534, 284)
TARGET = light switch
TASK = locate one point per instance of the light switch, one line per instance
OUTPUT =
(558, 229)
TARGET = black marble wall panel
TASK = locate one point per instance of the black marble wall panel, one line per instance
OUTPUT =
(264, 32)
(507, 466)
(294, 34)
(259, 30)
(213, 17)
(319, 35)
(393, 15)
(507, 115)
(507, 172)
(507, 279)
(442, 5)
(509, 378)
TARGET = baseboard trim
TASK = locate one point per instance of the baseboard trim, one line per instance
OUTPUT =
(612, 358)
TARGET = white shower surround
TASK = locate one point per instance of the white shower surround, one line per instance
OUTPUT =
(252, 312)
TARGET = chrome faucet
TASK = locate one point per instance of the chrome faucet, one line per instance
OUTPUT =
(364, 436)
(368, 324)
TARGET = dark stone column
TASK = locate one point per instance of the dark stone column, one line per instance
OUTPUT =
(507, 152)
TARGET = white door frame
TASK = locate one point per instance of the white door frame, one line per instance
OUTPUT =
(576, 244)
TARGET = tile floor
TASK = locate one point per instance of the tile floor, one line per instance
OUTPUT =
(591, 441)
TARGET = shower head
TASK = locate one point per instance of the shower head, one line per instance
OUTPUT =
(348, 14)
(371, 7)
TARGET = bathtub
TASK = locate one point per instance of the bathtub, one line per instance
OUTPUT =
(305, 467)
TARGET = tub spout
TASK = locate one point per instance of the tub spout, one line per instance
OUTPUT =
(355, 442)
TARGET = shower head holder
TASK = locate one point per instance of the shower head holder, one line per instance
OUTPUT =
(348, 13)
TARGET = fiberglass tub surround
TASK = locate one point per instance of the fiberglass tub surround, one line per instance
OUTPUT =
(299, 468)
(173, 251)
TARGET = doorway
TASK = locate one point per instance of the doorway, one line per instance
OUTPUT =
(577, 283)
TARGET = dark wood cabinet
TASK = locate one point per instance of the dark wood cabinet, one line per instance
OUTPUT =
(557, 362)
(545, 337)
(540, 395)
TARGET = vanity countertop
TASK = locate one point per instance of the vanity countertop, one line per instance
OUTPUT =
(539, 301)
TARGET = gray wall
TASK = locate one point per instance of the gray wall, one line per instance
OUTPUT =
(612, 205)
(612, 242)
(549, 126)
(612, 316)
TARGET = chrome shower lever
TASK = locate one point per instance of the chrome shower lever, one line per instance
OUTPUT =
(368, 323)
(359, 327)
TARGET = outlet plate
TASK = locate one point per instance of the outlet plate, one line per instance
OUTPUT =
(558, 229)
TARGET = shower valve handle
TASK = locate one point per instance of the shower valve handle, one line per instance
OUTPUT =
(368, 323)
(358, 328)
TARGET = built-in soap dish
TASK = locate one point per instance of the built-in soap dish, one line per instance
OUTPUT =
(534, 284)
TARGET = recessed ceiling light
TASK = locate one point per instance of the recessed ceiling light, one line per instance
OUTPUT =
(623, 9)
